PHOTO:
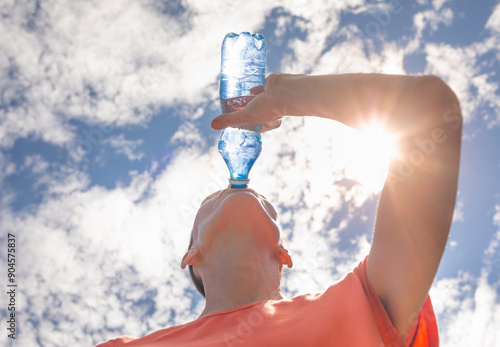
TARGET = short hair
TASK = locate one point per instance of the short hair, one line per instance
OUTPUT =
(198, 283)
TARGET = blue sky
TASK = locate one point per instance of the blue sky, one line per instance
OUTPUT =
(106, 152)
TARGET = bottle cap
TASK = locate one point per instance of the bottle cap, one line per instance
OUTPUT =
(238, 183)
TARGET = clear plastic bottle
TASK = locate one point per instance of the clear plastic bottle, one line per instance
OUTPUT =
(243, 64)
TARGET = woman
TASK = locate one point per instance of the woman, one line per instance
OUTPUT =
(236, 254)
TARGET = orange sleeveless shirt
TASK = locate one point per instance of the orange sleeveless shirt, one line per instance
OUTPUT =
(348, 313)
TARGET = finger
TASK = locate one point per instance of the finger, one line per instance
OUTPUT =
(253, 113)
(257, 90)
(240, 117)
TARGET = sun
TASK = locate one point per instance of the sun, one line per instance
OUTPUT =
(327, 148)
(371, 152)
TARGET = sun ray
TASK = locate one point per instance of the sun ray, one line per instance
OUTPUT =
(371, 154)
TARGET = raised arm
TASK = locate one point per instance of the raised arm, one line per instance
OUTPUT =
(417, 202)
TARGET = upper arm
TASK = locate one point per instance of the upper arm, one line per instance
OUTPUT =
(417, 202)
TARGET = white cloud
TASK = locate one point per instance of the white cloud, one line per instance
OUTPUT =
(494, 20)
(320, 22)
(349, 57)
(187, 134)
(496, 217)
(126, 147)
(98, 253)
(35, 164)
(432, 19)
(117, 63)
(112, 63)
(452, 244)
(467, 307)
(7, 167)
(472, 315)
(437, 4)
(475, 85)
(458, 213)
(492, 250)
(444, 60)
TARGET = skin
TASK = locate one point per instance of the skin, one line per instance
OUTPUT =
(415, 209)
(237, 250)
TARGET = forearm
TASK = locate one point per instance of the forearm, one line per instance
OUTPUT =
(408, 106)
(352, 99)
(356, 99)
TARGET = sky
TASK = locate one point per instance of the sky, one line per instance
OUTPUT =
(106, 153)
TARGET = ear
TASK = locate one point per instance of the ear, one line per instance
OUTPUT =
(190, 258)
(283, 256)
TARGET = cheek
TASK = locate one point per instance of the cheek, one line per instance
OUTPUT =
(210, 224)
(269, 231)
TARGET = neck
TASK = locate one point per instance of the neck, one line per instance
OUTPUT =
(242, 276)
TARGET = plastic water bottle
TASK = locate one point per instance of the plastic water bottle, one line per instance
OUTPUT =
(243, 64)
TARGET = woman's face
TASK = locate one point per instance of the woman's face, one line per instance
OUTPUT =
(230, 223)
(232, 213)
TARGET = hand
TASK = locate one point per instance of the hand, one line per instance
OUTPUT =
(274, 100)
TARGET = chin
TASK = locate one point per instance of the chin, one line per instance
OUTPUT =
(241, 203)
(240, 214)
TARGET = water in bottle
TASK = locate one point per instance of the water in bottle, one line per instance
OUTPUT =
(243, 65)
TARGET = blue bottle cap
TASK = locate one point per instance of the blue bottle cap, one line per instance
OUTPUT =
(238, 184)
